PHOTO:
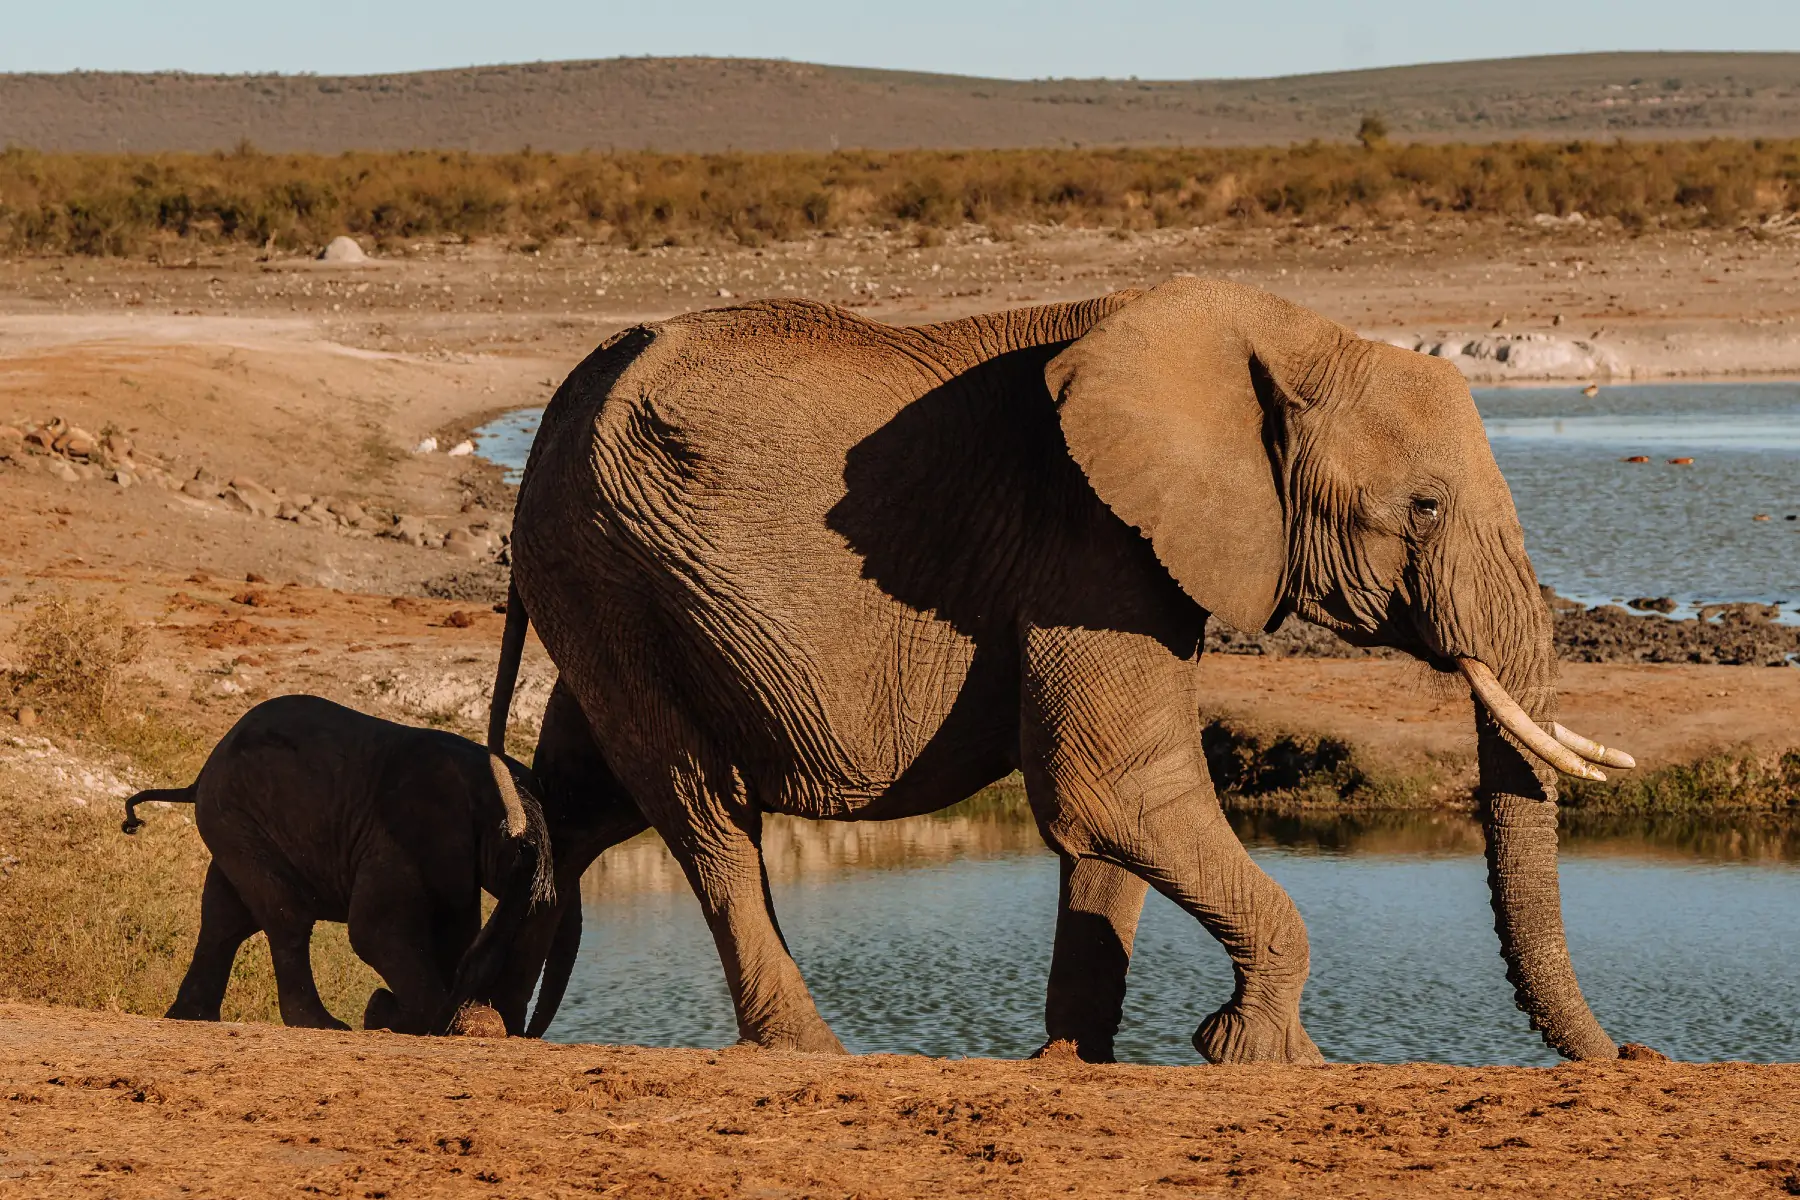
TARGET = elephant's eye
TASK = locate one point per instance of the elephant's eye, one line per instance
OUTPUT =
(1425, 508)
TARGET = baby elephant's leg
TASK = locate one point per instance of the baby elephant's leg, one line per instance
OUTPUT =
(392, 929)
(225, 922)
(382, 1011)
(290, 946)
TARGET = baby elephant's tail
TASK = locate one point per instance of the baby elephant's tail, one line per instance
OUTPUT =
(133, 822)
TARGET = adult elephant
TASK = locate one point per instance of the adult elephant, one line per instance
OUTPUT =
(789, 560)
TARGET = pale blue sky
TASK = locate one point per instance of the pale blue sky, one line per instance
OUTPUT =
(1149, 38)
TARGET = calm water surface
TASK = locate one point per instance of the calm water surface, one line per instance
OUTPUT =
(1686, 945)
(1600, 529)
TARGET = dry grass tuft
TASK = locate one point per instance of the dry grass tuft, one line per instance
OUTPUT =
(73, 656)
(147, 203)
(91, 917)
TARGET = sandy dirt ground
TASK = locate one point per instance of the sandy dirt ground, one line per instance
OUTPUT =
(104, 1105)
(317, 382)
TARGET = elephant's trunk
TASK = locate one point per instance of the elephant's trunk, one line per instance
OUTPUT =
(1518, 803)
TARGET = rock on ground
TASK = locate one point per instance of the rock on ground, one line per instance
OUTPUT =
(343, 249)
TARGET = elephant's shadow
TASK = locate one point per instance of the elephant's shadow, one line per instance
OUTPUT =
(967, 504)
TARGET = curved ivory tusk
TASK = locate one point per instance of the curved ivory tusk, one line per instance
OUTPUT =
(1591, 750)
(1506, 710)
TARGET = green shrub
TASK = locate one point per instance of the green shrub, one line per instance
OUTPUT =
(1734, 782)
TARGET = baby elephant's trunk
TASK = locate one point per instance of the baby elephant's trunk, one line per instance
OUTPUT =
(133, 822)
(527, 885)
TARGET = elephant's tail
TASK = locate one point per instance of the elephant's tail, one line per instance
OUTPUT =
(506, 677)
(133, 822)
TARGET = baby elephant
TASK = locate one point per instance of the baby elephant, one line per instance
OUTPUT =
(316, 812)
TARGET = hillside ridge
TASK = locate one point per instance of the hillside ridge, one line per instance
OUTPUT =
(759, 105)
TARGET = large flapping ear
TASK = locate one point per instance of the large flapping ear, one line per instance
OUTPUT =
(1160, 406)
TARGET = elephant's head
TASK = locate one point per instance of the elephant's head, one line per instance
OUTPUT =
(1279, 463)
(518, 868)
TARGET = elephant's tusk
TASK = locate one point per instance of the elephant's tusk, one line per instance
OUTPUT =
(1513, 719)
(1591, 750)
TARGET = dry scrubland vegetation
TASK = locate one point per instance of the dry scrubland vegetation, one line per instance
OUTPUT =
(93, 918)
(138, 204)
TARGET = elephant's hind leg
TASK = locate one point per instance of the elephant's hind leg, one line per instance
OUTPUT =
(716, 835)
(290, 946)
(225, 923)
(1115, 770)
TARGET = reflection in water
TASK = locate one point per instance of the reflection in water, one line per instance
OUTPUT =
(933, 936)
(1750, 838)
(794, 849)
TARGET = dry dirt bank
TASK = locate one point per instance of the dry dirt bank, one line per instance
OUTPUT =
(1654, 304)
(105, 1105)
(317, 379)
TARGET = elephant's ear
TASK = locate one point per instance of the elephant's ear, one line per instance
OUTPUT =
(1160, 407)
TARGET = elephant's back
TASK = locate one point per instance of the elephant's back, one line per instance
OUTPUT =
(318, 785)
(770, 389)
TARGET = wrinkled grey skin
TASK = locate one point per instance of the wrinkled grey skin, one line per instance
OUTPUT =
(789, 560)
(316, 812)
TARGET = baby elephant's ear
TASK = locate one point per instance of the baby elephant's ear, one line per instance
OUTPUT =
(1160, 407)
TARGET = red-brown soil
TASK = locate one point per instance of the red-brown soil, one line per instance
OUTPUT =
(104, 1105)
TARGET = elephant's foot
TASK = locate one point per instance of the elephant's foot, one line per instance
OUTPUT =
(382, 1011)
(1232, 1035)
(809, 1037)
(1087, 1049)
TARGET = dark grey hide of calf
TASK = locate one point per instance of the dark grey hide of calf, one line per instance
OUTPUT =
(315, 812)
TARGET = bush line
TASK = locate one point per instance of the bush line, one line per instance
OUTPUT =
(130, 204)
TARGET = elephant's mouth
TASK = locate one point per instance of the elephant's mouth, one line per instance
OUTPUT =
(1401, 628)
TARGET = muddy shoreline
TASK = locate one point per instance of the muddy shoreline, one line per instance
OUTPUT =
(1736, 635)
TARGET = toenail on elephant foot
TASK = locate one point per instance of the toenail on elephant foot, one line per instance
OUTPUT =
(1233, 1036)
(382, 1011)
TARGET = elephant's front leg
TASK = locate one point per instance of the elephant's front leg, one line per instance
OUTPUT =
(1096, 921)
(1114, 768)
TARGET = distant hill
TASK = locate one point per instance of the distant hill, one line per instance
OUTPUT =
(710, 104)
